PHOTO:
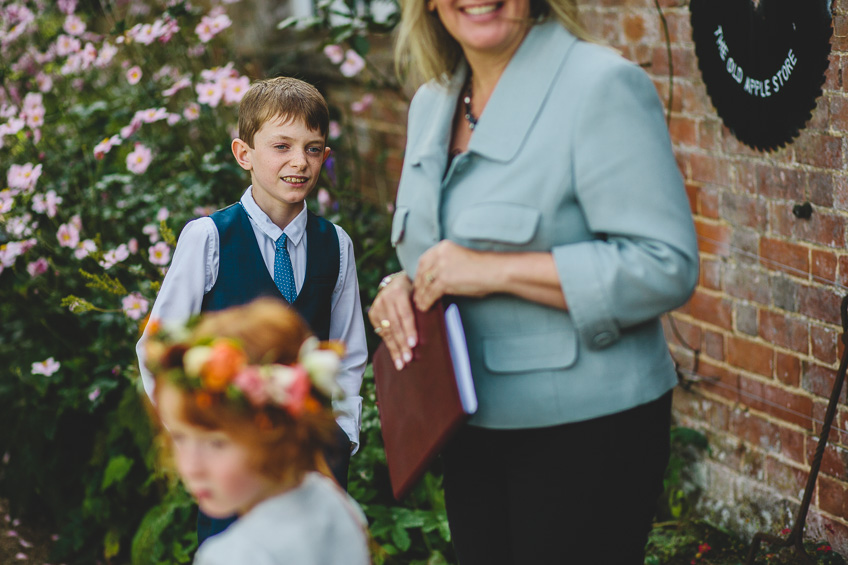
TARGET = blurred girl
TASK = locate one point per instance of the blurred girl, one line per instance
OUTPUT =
(244, 396)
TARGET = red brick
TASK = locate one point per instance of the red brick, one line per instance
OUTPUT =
(710, 274)
(823, 151)
(834, 459)
(683, 131)
(823, 228)
(710, 169)
(709, 134)
(690, 333)
(823, 266)
(634, 27)
(745, 177)
(683, 60)
(831, 495)
(747, 282)
(708, 203)
(784, 256)
(823, 343)
(793, 443)
(692, 193)
(784, 331)
(778, 182)
(817, 379)
(744, 210)
(679, 27)
(820, 187)
(713, 238)
(785, 478)
(842, 276)
(711, 309)
(840, 193)
(779, 403)
(750, 356)
(821, 303)
(787, 369)
(713, 345)
(836, 434)
(833, 79)
(719, 380)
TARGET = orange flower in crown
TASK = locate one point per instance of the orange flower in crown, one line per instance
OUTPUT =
(226, 359)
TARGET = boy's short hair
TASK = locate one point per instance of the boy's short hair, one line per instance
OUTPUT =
(282, 97)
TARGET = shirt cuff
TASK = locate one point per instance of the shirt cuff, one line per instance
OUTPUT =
(349, 417)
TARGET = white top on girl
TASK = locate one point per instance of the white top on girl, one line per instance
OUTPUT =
(316, 523)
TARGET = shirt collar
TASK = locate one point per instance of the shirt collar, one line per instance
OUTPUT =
(295, 230)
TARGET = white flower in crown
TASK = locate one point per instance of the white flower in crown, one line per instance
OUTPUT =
(195, 358)
(322, 365)
(287, 386)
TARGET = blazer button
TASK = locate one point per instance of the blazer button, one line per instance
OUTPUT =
(603, 339)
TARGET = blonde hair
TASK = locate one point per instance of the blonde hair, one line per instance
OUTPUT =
(425, 47)
(279, 444)
(285, 98)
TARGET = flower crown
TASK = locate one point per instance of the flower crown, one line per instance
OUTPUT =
(219, 366)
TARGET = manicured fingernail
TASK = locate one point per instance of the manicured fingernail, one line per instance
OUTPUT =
(407, 356)
(398, 364)
(410, 341)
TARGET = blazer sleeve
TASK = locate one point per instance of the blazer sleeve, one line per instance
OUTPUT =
(643, 261)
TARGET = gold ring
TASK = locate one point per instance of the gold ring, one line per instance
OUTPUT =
(384, 324)
(378, 330)
(429, 277)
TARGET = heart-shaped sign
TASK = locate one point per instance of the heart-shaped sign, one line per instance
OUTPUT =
(763, 65)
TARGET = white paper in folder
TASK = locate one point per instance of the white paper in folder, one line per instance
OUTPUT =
(459, 356)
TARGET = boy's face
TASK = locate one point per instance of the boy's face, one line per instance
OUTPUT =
(284, 163)
(214, 468)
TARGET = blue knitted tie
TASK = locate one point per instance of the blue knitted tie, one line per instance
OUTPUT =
(283, 274)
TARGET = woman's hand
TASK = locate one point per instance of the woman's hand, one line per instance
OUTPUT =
(393, 319)
(450, 269)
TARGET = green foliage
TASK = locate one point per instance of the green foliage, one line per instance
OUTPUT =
(680, 488)
(412, 531)
(75, 438)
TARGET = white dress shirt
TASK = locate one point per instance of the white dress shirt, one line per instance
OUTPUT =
(194, 270)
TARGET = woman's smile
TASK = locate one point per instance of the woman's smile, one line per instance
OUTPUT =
(481, 9)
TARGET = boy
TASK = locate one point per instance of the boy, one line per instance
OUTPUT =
(269, 244)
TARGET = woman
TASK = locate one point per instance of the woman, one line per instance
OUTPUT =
(540, 193)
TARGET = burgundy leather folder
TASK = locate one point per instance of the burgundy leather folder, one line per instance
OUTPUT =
(420, 405)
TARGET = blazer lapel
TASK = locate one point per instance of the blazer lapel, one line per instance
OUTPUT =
(521, 91)
(430, 149)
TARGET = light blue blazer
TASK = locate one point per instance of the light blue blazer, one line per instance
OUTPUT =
(572, 156)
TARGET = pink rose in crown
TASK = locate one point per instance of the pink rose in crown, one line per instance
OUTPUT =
(298, 391)
(251, 382)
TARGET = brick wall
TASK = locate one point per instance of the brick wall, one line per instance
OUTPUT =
(765, 316)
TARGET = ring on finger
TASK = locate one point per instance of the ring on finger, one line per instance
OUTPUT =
(378, 330)
(384, 324)
(429, 277)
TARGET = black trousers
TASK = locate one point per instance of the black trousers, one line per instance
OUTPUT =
(338, 459)
(581, 493)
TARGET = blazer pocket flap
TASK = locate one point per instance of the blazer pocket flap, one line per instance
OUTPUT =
(516, 354)
(399, 224)
(498, 221)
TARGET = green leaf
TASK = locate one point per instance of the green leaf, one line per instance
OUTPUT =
(400, 537)
(112, 544)
(116, 470)
(360, 44)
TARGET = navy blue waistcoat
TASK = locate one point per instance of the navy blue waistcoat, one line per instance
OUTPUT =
(243, 276)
